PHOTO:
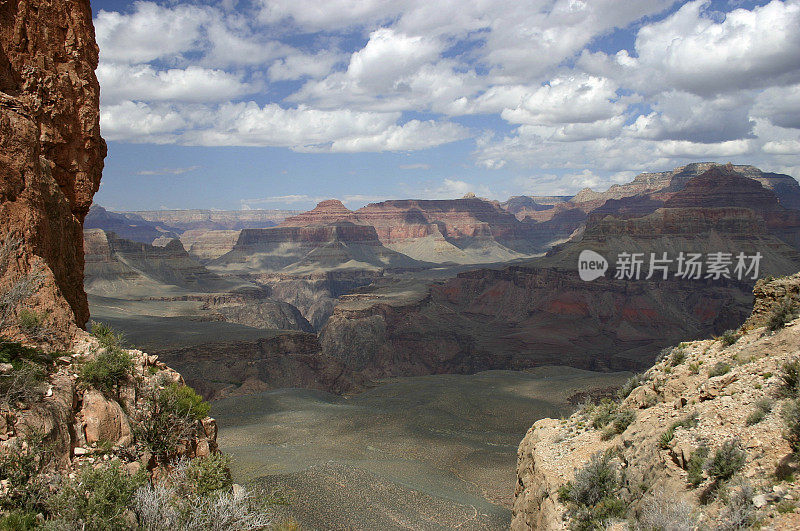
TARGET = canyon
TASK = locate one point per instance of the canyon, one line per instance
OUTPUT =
(342, 277)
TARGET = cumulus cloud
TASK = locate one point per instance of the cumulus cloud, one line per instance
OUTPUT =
(120, 82)
(248, 124)
(543, 85)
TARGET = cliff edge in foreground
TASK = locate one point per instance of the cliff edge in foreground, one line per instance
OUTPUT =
(704, 438)
(51, 152)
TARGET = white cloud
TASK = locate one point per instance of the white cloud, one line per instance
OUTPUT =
(168, 171)
(140, 122)
(569, 99)
(748, 49)
(418, 166)
(299, 65)
(150, 32)
(684, 116)
(248, 124)
(120, 82)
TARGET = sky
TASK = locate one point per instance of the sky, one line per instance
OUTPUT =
(240, 104)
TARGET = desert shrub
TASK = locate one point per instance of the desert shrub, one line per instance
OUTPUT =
(790, 379)
(633, 382)
(174, 504)
(660, 511)
(678, 356)
(97, 500)
(593, 497)
(210, 474)
(696, 464)
(107, 336)
(18, 520)
(785, 507)
(21, 289)
(107, 370)
(763, 407)
(21, 466)
(729, 337)
(603, 413)
(694, 367)
(739, 511)
(24, 384)
(619, 423)
(719, 369)
(791, 417)
(30, 322)
(185, 400)
(782, 313)
(666, 437)
(170, 414)
(727, 461)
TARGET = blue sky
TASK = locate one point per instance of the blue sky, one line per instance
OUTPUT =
(281, 103)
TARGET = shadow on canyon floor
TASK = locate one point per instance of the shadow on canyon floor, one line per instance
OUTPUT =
(430, 452)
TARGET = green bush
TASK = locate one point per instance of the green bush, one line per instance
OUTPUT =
(107, 336)
(791, 417)
(170, 415)
(633, 382)
(782, 313)
(107, 370)
(186, 401)
(763, 407)
(593, 497)
(97, 500)
(727, 461)
(696, 464)
(603, 413)
(22, 467)
(210, 474)
(729, 337)
(790, 379)
(719, 369)
(18, 521)
(678, 357)
(30, 322)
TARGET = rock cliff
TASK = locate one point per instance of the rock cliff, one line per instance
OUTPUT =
(702, 438)
(51, 152)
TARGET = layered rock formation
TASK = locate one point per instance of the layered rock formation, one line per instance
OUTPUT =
(522, 317)
(310, 249)
(51, 152)
(701, 394)
(542, 313)
(115, 266)
(128, 226)
(183, 220)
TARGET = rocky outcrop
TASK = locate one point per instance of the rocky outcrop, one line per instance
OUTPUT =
(80, 423)
(328, 211)
(51, 152)
(235, 368)
(206, 245)
(702, 393)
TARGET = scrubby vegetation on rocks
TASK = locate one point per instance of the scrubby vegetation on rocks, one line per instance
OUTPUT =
(714, 442)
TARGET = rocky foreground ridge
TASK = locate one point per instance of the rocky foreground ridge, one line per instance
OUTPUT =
(703, 439)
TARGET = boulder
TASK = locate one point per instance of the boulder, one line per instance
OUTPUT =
(104, 420)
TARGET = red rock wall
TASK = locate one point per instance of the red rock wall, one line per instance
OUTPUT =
(51, 152)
